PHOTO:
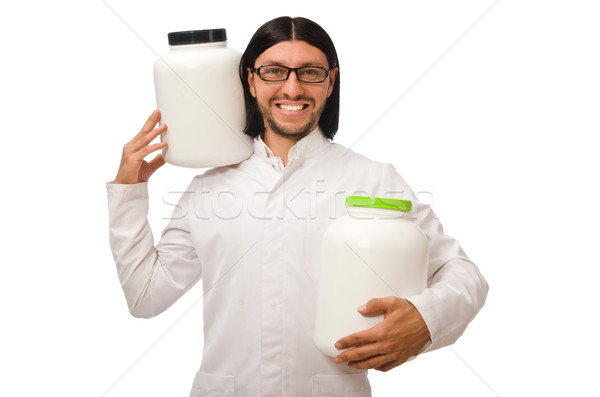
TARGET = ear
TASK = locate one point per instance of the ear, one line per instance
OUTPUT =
(332, 77)
(251, 82)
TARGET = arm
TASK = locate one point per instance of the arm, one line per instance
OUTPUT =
(152, 278)
(437, 317)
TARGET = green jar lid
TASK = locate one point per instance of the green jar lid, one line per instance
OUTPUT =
(378, 202)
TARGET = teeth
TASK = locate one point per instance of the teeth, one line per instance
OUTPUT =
(288, 108)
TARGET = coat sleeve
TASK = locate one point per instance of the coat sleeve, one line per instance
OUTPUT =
(153, 278)
(456, 290)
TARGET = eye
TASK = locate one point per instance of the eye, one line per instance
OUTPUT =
(273, 71)
(311, 74)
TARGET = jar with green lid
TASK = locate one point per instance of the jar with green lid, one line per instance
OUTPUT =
(373, 251)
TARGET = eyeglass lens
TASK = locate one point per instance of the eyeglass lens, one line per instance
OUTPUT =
(309, 74)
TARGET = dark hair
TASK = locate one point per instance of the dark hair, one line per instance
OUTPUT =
(288, 29)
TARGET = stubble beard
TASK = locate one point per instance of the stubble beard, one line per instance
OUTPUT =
(293, 132)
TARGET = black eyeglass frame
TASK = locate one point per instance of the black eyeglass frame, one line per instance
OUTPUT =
(295, 70)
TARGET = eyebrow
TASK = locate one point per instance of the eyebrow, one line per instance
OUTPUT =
(275, 63)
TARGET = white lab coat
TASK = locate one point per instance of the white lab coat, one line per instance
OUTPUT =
(252, 233)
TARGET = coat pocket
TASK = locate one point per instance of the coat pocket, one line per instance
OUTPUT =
(208, 385)
(346, 385)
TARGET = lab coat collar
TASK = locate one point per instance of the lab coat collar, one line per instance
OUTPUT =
(305, 147)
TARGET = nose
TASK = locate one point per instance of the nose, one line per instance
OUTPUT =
(292, 87)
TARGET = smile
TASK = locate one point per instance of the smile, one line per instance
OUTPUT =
(291, 108)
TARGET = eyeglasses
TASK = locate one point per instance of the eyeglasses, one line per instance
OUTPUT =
(307, 74)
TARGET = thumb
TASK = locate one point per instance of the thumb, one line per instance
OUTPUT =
(150, 167)
(156, 163)
(376, 305)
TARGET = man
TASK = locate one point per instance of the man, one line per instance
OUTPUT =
(252, 233)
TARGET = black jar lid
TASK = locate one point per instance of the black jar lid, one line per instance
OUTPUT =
(197, 36)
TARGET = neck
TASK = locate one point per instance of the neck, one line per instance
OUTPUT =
(280, 145)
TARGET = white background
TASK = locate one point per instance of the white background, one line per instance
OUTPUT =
(488, 109)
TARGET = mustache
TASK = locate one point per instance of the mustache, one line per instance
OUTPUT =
(299, 98)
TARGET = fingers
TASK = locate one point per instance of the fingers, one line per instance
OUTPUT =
(148, 133)
(376, 355)
(372, 355)
(152, 134)
(376, 305)
(148, 149)
(360, 344)
(133, 167)
(144, 137)
(378, 361)
(139, 147)
(359, 353)
(150, 123)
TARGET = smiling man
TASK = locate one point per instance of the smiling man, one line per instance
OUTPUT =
(291, 105)
(260, 269)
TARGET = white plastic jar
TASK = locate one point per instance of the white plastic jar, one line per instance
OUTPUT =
(373, 251)
(199, 94)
